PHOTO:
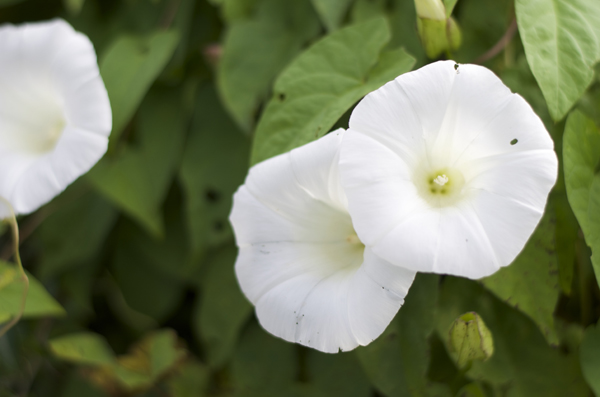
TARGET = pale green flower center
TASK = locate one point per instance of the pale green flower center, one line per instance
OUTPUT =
(441, 187)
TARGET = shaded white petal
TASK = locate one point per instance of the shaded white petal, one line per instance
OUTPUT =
(319, 295)
(303, 220)
(525, 177)
(293, 197)
(379, 185)
(406, 113)
(316, 169)
(55, 115)
(45, 177)
(299, 261)
(516, 122)
(494, 148)
(448, 241)
(507, 223)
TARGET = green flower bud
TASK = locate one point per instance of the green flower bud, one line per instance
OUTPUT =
(470, 340)
(430, 9)
(438, 36)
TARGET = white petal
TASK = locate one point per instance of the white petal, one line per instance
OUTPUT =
(507, 223)
(299, 261)
(407, 112)
(303, 219)
(524, 176)
(446, 241)
(379, 184)
(515, 128)
(55, 115)
(316, 169)
(293, 197)
(320, 295)
(469, 122)
(45, 177)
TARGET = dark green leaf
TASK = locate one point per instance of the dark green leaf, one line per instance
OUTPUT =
(263, 364)
(145, 288)
(222, 309)
(337, 374)
(192, 380)
(531, 282)
(332, 12)
(255, 50)
(214, 164)
(84, 225)
(396, 362)
(581, 153)
(129, 67)
(523, 365)
(322, 83)
(138, 178)
(590, 357)
(566, 237)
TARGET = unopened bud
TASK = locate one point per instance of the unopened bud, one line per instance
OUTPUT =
(431, 9)
(470, 340)
(439, 36)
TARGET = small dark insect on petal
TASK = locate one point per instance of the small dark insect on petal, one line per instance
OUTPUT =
(514, 141)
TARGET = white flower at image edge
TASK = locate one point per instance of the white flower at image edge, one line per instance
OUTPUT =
(300, 262)
(55, 115)
(446, 170)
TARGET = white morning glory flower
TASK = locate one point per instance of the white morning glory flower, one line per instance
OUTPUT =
(55, 116)
(300, 262)
(446, 170)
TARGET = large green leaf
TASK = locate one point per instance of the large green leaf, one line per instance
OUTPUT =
(222, 309)
(84, 225)
(192, 380)
(590, 357)
(215, 162)
(531, 282)
(523, 365)
(129, 67)
(332, 12)
(39, 302)
(397, 361)
(138, 178)
(323, 82)
(337, 374)
(562, 43)
(566, 238)
(255, 50)
(83, 348)
(263, 365)
(145, 288)
(581, 153)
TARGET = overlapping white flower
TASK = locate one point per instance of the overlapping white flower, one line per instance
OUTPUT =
(446, 170)
(55, 115)
(300, 262)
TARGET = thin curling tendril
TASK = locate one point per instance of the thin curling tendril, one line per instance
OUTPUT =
(12, 221)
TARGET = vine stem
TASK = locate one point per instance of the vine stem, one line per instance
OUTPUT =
(12, 221)
(499, 46)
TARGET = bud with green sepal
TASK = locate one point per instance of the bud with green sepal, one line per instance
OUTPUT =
(438, 31)
(470, 340)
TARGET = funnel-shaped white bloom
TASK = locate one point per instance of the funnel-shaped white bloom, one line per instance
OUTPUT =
(300, 262)
(55, 116)
(446, 170)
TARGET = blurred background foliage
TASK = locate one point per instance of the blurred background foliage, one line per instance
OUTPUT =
(135, 292)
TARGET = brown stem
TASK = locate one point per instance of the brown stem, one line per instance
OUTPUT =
(170, 14)
(499, 46)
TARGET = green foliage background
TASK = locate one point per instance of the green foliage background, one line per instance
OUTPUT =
(133, 291)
